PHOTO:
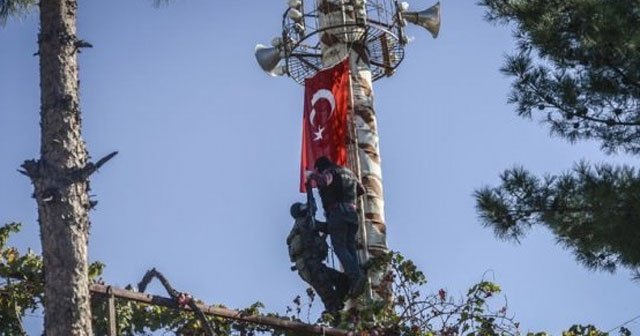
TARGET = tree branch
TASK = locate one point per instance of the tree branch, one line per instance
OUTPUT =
(175, 295)
(90, 168)
(554, 104)
(625, 78)
(19, 319)
(30, 168)
(33, 169)
(294, 326)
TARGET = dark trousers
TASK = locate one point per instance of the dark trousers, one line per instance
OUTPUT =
(342, 226)
(332, 286)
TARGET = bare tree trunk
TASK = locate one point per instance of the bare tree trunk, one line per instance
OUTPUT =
(60, 177)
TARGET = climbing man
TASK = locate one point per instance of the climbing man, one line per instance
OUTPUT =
(339, 189)
(308, 249)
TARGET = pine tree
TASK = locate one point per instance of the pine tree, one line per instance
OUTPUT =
(577, 69)
(60, 175)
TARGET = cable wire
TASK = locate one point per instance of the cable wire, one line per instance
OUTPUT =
(624, 324)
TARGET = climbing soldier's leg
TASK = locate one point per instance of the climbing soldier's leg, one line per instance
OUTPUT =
(340, 230)
(322, 283)
(340, 283)
(342, 227)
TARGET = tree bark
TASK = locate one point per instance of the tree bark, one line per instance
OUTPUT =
(61, 188)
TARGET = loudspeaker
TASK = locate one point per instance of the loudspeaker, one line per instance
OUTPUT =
(428, 19)
(268, 58)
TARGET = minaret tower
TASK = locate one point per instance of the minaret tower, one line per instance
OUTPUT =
(321, 33)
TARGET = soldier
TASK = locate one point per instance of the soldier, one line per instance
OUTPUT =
(339, 189)
(308, 249)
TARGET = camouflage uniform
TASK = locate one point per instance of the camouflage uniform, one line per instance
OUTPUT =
(308, 249)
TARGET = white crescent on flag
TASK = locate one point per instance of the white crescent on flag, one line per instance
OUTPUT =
(322, 94)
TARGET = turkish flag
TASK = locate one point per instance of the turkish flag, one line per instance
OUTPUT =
(324, 125)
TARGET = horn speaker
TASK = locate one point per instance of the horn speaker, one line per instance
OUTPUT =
(268, 58)
(428, 19)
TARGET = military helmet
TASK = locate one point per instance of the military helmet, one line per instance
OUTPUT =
(298, 210)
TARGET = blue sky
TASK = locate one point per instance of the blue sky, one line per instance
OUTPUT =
(209, 155)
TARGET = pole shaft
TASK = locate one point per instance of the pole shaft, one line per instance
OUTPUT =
(338, 43)
(111, 302)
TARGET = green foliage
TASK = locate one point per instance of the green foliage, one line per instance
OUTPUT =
(22, 286)
(577, 69)
(411, 313)
(589, 330)
(580, 330)
(594, 211)
(22, 290)
(141, 319)
(577, 66)
(14, 8)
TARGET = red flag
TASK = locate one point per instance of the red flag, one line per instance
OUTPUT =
(324, 125)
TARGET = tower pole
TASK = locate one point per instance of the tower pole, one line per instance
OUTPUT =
(371, 34)
(347, 38)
